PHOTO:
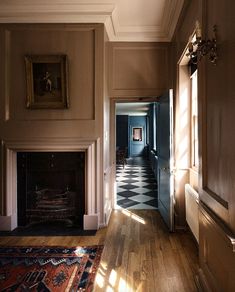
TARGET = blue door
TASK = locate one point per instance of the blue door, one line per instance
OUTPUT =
(165, 158)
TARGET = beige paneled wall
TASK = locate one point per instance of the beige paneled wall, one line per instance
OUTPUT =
(139, 69)
(216, 138)
(84, 46)
(219, 172)
(80, 43)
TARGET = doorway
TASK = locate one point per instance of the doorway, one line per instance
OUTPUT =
(136, 180)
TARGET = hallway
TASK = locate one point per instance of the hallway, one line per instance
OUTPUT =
(136, 185)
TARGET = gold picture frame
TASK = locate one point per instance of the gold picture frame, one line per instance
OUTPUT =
(47, 81)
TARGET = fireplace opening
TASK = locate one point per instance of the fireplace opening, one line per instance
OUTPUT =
(50, 188)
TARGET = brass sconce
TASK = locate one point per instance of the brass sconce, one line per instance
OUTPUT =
(199, 47)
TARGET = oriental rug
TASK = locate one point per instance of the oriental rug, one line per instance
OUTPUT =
(49, 268)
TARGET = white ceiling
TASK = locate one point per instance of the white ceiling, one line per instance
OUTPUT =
(125, 20)
(132, 108)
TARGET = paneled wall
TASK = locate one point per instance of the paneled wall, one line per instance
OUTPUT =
(217, 143)
(81, 45)
(84, 46)
(217, 150)
(139, 69)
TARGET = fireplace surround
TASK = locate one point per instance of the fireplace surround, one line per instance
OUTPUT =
(91, 149)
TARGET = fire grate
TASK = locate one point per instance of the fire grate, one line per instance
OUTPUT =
(50, 205)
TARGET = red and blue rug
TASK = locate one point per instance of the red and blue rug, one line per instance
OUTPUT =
(48, 268)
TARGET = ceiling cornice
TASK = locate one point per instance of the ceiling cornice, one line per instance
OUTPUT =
(91, 11)
(171, 15)
(55, 11)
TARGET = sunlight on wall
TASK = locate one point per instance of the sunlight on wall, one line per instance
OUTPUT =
(183, 136)
(183, 145)
(184, 100)
(183, 120)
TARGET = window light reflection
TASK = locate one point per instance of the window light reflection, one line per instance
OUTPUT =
(133, 216)
(122, 285)
(101, 272)
(99, 280)
(109, 289)
(113, 278)
(103, 265)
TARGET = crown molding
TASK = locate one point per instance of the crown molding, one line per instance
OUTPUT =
(55, 11)
(91, 11)
(171, 15)
(151, 33)
(118, 32)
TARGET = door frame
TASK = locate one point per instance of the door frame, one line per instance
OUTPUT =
(113, 102)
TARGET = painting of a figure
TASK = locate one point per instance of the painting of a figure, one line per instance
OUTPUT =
(47, 81)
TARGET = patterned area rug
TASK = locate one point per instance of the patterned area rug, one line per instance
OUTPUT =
(48, 268)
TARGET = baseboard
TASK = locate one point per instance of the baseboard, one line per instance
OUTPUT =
(181, 228)
(203, 282)
(198, 284)
(91, 222)
(8, 223)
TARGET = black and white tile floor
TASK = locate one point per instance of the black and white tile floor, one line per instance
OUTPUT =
(136, 185)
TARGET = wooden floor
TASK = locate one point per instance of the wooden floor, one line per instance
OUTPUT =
(69, 241)
(139, 253)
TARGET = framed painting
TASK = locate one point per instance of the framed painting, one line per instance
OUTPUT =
(47, 81)
(137, 134)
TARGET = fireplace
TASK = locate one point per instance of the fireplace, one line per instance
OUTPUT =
(50, 187)
(12, 149)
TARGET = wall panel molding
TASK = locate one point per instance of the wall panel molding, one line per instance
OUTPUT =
(84, 67)
(138, 69)
(2, 179)
(216, 253)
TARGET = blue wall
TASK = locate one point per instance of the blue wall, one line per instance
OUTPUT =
(122, 134)
(124, 126)
(137, 148)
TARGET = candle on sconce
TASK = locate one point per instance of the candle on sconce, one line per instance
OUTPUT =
(198, 30)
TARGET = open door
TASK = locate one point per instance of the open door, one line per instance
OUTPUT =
(165, 158)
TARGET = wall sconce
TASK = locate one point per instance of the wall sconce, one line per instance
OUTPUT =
(198, 47)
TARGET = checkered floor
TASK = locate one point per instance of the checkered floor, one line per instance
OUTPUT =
(136, 185)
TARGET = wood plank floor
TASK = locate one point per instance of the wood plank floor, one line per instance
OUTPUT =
(139, 254)
(69, 241)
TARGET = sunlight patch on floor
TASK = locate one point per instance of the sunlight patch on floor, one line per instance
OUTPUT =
(133, 216)
(114, 281)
